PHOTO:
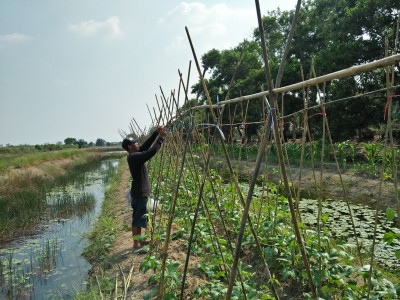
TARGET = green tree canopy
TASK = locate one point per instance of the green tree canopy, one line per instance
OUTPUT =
(70, 141)
(335, 35)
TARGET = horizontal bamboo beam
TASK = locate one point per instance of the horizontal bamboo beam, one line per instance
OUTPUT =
(352, 71)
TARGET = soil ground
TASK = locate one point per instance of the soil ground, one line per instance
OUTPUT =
(122, 259)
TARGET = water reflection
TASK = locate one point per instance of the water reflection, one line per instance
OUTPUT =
(49, 265)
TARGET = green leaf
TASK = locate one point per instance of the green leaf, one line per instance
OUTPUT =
(269, 251)
(150, 294)
(169, 296)
(173, 266)
(390, 214)
(388, 237)
(317, 279)
(397, 254)
(153, 278)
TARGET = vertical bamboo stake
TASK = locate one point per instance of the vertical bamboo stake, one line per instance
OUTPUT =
(390, 93)
(200, 198)
(231, 172)
(194, 223)
(303, 141)
(287, 46)
(319, 214)
(388, 129)
(169, 225)
(325, 118)
(280, 155)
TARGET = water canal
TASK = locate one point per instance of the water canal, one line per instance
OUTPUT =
(48, 264)
(336, 219)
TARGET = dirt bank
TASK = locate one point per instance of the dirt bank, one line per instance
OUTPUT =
(356, 187)
(121, 260)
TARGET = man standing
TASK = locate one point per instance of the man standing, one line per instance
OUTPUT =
(140, 190)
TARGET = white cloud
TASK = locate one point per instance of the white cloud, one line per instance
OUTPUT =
(217, 25)
(110, 28)
(15, 38)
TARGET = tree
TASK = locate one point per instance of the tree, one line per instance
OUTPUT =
(222, 66)
(81, 143)
(70, 141)
(336, 35)
(100, 142)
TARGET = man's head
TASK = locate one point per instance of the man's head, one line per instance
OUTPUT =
(127, 142)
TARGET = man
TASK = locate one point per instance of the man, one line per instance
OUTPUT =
(140, 190)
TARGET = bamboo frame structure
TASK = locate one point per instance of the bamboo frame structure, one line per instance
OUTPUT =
(180, 156)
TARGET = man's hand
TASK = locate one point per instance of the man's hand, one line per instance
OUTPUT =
(161, 131)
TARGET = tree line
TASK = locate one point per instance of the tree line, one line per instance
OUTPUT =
(81, 143)
(329, 36)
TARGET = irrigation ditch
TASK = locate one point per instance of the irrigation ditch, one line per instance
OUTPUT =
(42, 243)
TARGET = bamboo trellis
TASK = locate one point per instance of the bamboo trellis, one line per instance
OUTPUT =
(179, 153)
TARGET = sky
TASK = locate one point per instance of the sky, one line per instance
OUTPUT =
(86, 68)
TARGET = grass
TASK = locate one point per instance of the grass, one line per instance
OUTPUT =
(105, 230)
(23, 197)
(18, 160)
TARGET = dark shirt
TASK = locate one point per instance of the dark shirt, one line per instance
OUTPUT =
(136, 161)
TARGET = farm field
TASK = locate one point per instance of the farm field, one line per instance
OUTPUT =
(110, 251)
(210, 256)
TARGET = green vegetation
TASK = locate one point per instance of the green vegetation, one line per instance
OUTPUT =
(23, 156)
(326, 39)
(101, 238)
(105, 229)
(334, 265)
(365, 158)
(24, 197)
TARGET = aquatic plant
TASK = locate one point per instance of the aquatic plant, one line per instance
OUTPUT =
(23, 199)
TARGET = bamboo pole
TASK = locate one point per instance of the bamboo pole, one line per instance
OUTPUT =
(303, 141)
(390, 93)
(325, 120)
(387, 131)
(230, 169)
(312, 107)
(287, 46)
(280, 155)
(177, 180)
(187, 82)
(352, 71)
(201, 200)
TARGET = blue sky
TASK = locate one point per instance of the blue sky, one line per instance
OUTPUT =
(85, 68)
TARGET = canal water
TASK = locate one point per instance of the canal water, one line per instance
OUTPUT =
(49, 265)
(337, 220)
